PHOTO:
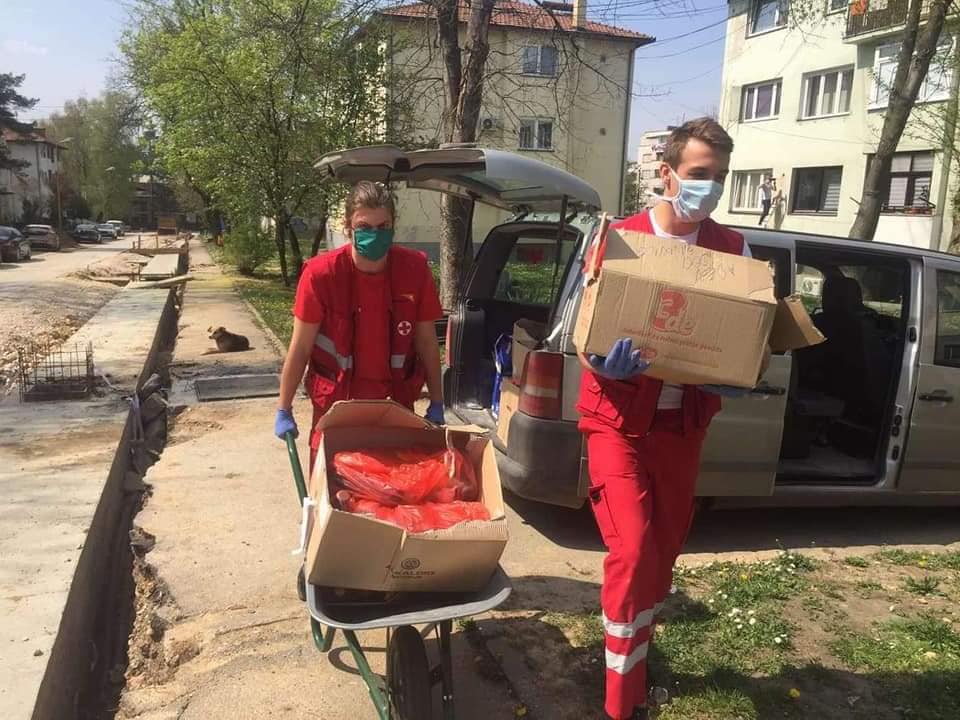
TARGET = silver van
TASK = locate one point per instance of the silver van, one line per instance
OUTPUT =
(871, 416)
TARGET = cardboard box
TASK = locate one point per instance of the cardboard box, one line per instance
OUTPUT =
(352, 551)
(699, 316)
(527, 336)
(509, 403)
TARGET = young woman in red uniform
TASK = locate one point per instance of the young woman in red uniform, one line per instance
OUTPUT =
(644, 436)
(363, 326)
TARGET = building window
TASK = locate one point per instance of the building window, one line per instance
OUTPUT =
(836, 5)
(935, 86)
(761, 101)
(536, 134)
(908, 185)
(826, 93)
(539, 60)
(768, 15)
(746, 189)
(817, 190)
(948, 319)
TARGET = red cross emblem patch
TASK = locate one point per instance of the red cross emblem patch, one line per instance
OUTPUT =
(404, 327)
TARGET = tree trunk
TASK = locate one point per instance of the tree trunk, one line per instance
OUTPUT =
(455, 240)
(280, 239)
(295, 247)
(448, 30)
(320, 236)
(471, 92)
(464, 86)
(917, 48)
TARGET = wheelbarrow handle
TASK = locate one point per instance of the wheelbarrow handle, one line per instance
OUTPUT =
(295, 465)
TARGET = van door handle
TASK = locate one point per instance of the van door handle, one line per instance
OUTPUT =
(764, 389)
(936, 396)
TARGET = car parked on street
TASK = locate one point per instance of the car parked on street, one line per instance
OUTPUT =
(14, 247)
(869, 417)
(85, 232)
(108, 231)
(42, 236)
(120, 226)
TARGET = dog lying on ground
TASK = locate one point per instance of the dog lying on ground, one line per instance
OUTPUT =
(228, 341)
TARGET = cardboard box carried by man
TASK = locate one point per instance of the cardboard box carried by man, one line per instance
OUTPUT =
(699, 317)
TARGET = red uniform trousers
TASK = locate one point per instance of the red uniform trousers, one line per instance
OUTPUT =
(642, 495)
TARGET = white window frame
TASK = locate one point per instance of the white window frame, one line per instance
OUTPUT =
(832, 10)
(535, 124)
(880, 95)
(752, 190)
(783, 12)
(840, 73)
(538, 72)
(774, 103)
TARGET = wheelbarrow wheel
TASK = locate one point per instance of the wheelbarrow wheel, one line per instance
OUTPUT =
(408, 676)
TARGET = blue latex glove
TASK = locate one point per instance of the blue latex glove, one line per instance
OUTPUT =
(285, 423)
(726, 391)
(435, 412)
(621, 362)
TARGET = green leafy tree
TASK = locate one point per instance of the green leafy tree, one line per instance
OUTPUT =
(246, 94)
(101, 155)
(11, 103)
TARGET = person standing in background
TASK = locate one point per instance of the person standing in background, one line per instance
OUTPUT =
(765, 197)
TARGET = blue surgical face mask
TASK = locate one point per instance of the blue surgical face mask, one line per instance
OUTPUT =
(695, 199)
(373, 243)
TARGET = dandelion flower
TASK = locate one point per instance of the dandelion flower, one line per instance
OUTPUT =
(794, 693)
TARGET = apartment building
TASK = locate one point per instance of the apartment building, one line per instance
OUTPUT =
(649, 157)
(35, 183)
(557, 87)
(803, 97)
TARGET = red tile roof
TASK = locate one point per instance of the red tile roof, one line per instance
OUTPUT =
(37, 134)
(509, 13)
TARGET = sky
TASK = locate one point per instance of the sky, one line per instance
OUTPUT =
(67, 49)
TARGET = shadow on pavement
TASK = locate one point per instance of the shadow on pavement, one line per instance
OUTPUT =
(765, 529)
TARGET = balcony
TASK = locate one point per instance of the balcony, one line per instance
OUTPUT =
(875, 17)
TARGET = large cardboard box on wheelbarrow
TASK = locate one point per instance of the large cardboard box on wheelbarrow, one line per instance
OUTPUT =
(345, 550)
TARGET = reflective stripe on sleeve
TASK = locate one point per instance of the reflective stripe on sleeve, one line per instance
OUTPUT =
(623, 664)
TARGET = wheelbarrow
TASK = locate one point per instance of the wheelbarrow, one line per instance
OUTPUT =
(406, 691)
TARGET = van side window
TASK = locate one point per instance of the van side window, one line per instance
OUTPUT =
(948, 319)
(533, 271)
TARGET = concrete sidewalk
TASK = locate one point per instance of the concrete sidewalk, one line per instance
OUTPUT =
(220, 631)
(61, 472)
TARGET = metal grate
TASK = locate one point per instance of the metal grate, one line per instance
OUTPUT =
(55, 372)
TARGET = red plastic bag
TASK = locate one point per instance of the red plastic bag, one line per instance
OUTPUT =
(411, 476)
(415, 518)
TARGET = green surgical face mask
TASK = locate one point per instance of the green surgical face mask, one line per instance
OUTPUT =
(373, 244)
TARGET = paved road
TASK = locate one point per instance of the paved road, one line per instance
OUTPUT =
(41, 303)
(46, 265)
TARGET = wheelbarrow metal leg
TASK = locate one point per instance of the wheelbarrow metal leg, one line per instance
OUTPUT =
(323, 640)
(371, 679)
(446, 670)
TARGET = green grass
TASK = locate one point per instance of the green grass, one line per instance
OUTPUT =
(916, 660)
(921, 559)
(857, 561)
(926, 585)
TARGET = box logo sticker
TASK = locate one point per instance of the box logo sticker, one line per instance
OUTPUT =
(671, 313)
(410, 564)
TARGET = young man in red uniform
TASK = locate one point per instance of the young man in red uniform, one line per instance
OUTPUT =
(644, 436)
(363, 324)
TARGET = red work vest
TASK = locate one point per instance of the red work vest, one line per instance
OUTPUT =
(629, 405)
(331, 363)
